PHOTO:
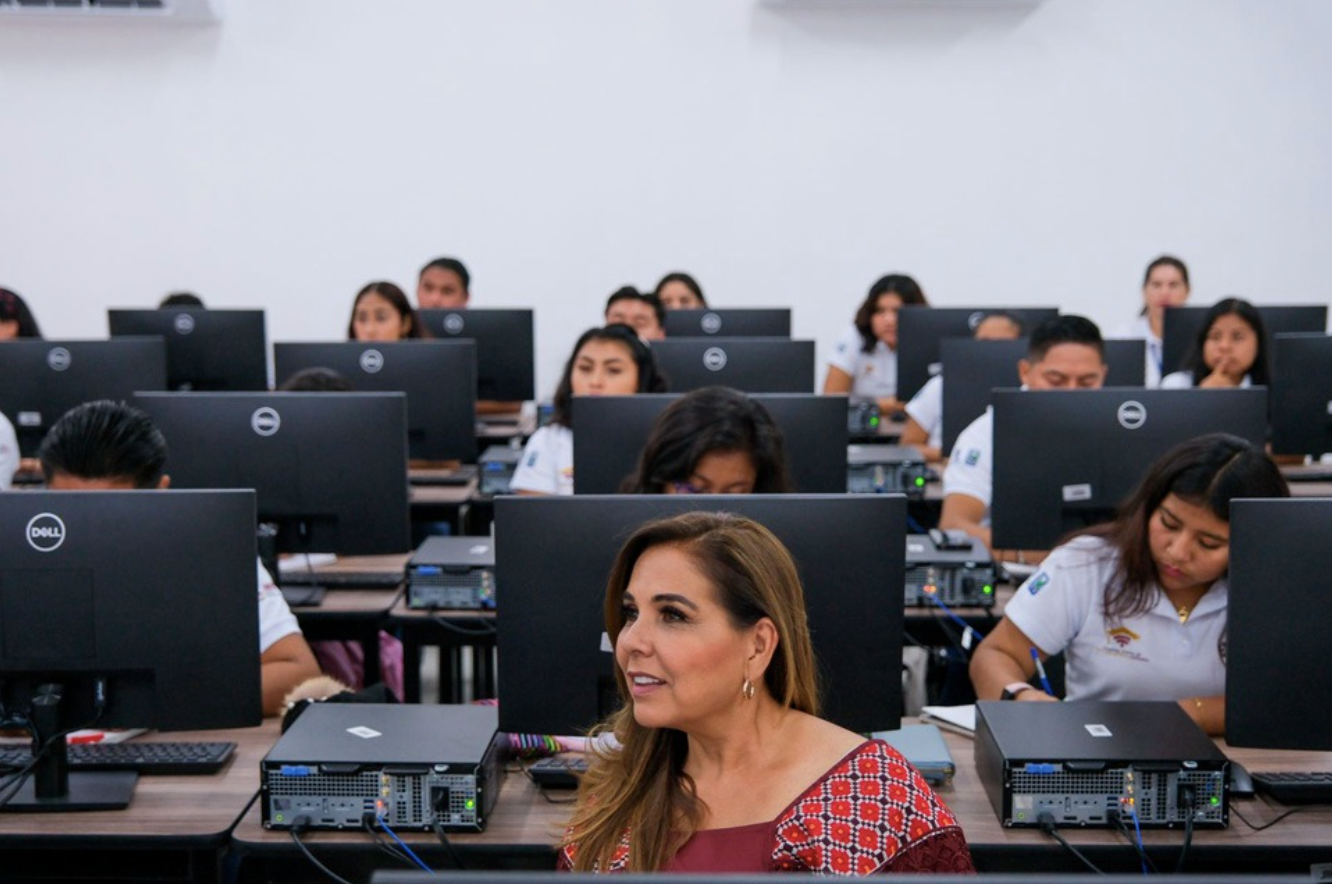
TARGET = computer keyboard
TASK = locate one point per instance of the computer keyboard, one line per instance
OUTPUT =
(460, 475)
(1295, 787)
(1320, 473)
(161, 759)
(343, 579)
(558, 773)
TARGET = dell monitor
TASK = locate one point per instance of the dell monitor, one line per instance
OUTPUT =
(330, 469)
(1301, 394)
(124, 609)
(1278, 670)
(44, 379)
(971, 369)
(505, 354)
(439, 378)
(921, 328)
(554, 554)
(754, 365)
(732, 322)
(206, 349)
(1181, 324)
(611, 432)
(1065, 459)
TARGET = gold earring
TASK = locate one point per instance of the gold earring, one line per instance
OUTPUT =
(747, 689)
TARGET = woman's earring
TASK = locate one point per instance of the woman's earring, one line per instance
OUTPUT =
(747, 689)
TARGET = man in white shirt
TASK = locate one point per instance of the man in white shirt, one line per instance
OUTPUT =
(1065, 353)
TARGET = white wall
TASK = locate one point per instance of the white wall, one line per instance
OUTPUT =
(784, 151)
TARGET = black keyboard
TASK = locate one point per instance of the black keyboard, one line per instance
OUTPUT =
(343, 579)
(1320, 473)
(1302, 787)
(558, 773)
(161, 759)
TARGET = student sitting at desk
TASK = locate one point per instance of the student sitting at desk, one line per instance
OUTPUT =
(924, 426)
(864, 362)
(680, 291)
(1229, 351)
(713, 440)
(381, 312)
(1165, 284)
(609, 361)
(16, 320)
(108, 446)
(443, 284)
(1138, 606)
(1064, 353)
(643, 313)
(721, 763)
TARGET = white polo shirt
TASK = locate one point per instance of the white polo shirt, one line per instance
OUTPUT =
(970, 469)
(926, 408)
(1148, 657)
(1153, 352)
(275, 619)
(547, 463)
(9, 453)
(873, 374)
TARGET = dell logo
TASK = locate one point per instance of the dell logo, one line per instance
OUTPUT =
(45, 532)
(453, 323)
(372, 361)
(711, 323)
(1132, 414)
(58, 358)
(714, 359)
(975, 319)
(184, 323)
(265, 421)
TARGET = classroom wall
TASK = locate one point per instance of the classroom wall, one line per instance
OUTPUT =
(784, 151)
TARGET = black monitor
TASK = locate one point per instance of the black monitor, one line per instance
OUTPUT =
(553, 556)
(330, 468)
(44, 379)
(921, 328)
(1278, 669)
(505, 352)
(973, 368)
(1180, 327)
(754, 365)
(1064, 459)
(439, 378)
(145, 599)
(611, 432)
(731, 322)
(206, 349)
(1301, 394)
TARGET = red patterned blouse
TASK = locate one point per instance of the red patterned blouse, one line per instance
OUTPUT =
(871, 813)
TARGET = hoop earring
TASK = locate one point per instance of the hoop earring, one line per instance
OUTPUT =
(747, 689)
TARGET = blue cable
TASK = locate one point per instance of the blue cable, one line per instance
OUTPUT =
(403, 844)
(949, 611)
(1142, 850)
(914, 526)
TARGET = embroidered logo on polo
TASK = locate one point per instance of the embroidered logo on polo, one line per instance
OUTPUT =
(1037, 583)
(1120, 641)
(973, 457)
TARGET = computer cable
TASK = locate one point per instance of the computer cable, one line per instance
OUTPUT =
(1047, 823)
(299, 825)
(1133, 842)
(969, 635)
(1267, 825)
(368, 824)
(447, 844)
(1186, 793)
(11, 786)
(482, 628)
(383, 824)
(1137, 831)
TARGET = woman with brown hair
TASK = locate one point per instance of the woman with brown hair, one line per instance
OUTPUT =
(720, 761)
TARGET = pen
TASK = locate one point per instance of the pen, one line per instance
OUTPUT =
(1040, 670)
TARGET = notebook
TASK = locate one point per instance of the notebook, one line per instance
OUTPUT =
(923, 745)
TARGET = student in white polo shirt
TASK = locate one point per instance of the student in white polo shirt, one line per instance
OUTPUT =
(864, 360)
(1064, 353)
(1138, 606)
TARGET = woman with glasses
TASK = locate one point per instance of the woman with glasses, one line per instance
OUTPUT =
(714, 440)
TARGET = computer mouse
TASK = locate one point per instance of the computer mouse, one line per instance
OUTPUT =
(1240, 782)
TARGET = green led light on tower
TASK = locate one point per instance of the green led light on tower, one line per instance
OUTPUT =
(987, 589)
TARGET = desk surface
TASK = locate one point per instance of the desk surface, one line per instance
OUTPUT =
(197, 811)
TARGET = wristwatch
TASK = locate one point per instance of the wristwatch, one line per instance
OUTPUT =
(1012, 690)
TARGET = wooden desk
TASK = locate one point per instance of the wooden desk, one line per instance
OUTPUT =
(441, 503)
(175, 828)
(451, 631)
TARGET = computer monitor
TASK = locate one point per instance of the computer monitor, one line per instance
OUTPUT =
(439, 378)
(45, 379)
(1064, 459)
(1301, 394)
(754, 365)
(330, 469)
(611, 432)
(973, 368)
(731, 322)
(920, 329)
(1278, 669)
(505, 353)
(1181, 324)
(142, 598)
(206, 349)
(553, 556)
